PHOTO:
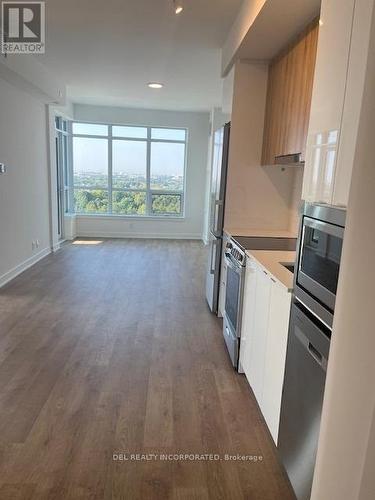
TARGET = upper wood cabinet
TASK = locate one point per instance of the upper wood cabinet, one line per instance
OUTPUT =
(290, 83)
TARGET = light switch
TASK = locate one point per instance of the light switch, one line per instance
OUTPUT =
(3, 168)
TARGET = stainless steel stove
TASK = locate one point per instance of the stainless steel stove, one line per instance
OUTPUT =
(235, 259)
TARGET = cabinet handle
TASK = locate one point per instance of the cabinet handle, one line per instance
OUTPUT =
(273, 280)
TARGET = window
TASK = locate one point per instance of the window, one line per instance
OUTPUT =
(128, 170)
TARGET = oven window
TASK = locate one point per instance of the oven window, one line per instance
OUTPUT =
(232, 296)
(321, 255)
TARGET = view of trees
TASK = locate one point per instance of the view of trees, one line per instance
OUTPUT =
(147, 175)
(92, 194)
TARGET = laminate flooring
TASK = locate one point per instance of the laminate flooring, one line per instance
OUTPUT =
(115, 382)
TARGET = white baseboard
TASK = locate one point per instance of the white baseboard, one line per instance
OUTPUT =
(56, 247)
(157, 236)
(13, 273)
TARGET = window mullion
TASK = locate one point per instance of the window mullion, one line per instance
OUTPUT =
(148, 174)
(110, 169)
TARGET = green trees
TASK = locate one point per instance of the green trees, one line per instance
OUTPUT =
(91, 195)
(166, 204)
(129, 203)
(91, 201)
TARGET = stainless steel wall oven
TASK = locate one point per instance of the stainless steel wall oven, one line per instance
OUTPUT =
(314, 296)
(318, 265)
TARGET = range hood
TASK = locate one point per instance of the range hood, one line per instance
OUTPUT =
(293, 160)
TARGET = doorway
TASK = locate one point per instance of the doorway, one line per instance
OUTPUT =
(62, 171)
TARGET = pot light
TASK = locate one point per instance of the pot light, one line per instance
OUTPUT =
(155, 85)
(178, 8)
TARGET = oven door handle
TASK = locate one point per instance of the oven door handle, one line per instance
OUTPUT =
(325, 227)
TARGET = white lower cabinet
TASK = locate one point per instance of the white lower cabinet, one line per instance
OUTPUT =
(264, 337)
(274, 366)
(255, 373)
(248, 315)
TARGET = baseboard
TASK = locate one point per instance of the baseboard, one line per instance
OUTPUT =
(13, 273)
(56, 247)
(156, 236)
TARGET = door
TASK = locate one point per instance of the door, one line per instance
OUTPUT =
(60, 183)
(213, 272)
(274, 368)
(319, 260)
(302, 400)
(218, 179)
(62, 171)
(330, 80)
(234, 296)
(248, 314)
(259, 341)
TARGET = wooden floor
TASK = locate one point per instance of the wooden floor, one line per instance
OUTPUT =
(110, 348)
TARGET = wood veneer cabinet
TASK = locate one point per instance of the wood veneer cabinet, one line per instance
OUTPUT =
(289, 91)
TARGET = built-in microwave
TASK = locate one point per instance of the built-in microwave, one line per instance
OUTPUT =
(318, 266)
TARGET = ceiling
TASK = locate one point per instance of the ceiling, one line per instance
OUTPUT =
(107, 51)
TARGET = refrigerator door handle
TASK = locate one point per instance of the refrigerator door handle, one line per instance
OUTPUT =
(213, 250)
(218, 205)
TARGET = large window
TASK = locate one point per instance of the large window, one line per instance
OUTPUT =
(126, 170)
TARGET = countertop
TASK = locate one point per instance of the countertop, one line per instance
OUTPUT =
(271, 261)
(259, 233)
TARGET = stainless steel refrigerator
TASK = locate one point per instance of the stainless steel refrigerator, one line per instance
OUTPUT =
(216, 214)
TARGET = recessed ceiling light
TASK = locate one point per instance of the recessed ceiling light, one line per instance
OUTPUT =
(155, 85)
(178, 8)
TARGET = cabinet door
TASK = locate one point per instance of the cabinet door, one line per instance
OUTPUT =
(289, 92)
(248, 314)
(275, 356)
(255, 373)
(327, 99)
(353, 99)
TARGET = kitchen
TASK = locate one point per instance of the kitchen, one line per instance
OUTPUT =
(281, 176)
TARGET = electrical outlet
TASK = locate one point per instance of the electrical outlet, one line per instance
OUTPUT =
(37, 243)
(33, 245)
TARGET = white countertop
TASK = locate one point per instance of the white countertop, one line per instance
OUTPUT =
(272, 260)
(259, 233)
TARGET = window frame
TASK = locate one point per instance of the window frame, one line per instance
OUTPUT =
(148, 191)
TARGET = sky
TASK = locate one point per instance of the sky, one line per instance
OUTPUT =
(91, 154)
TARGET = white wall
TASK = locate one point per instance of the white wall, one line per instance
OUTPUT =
(193, 223)
(24, 194)
(346, 455)
(228, 88)
(29, 75)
